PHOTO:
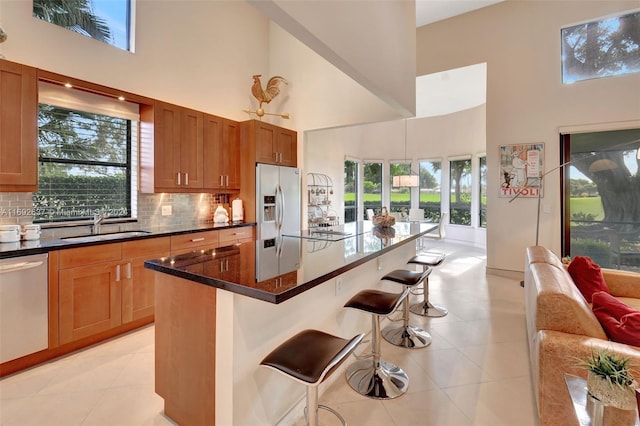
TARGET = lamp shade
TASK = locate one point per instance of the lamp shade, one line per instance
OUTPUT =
(405, 180)
(601, 165)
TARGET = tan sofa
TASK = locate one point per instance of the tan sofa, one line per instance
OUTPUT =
(562, 328)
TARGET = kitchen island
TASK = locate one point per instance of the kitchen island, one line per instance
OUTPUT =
(220, 311)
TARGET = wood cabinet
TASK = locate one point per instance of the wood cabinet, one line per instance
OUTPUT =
(186, 243)
(177, 144)
(221, 153)
(235, 235)
(262, 143)
(18, 127)
(273, 144)
(104, 286)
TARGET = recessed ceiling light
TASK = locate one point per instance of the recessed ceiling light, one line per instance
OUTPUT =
(121, 98)
(68, 85)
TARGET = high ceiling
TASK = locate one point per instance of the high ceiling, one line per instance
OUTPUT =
(452, 90)
(428, 11)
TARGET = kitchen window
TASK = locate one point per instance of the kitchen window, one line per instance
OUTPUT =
(460, 184)
(87, 149)
(109, 21)
(429, 190)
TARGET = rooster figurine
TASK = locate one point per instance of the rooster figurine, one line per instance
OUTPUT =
(265, 96)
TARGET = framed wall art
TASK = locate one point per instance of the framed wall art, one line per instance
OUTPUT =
(521, 166)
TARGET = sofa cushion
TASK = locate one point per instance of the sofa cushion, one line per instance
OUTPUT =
(553, 302)
(587, 276)
(620, 321)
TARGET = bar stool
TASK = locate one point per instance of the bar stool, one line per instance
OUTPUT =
(426, 308)
(405, 335)
(377, 379)
(310, 357)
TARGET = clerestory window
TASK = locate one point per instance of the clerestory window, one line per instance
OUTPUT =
(109, 21)
(601, 48)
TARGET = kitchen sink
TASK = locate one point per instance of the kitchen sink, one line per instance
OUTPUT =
(105, 237)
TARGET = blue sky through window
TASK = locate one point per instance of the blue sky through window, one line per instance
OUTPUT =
(116, 14)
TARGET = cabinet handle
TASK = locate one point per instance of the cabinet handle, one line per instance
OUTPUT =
(128, 271)
(196, 240)
(179, 180)
(227, 179)
(117, 273)
(221, 180)
(186, 179)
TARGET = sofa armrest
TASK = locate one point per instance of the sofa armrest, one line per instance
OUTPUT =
(622, 283)
(560, 353)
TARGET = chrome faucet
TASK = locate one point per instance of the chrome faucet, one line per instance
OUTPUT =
(98, 218)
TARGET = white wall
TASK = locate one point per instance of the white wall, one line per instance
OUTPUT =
(372, 42)
(192, 53)
(526, 101)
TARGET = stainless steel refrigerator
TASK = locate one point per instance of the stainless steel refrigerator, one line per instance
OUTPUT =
(277, 200)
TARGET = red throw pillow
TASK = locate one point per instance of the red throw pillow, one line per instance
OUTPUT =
(620, 321)
(587, 276)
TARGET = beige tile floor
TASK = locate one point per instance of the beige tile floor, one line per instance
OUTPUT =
(475, 372)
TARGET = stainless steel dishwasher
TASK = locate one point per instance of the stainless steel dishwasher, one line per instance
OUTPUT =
(23, 306)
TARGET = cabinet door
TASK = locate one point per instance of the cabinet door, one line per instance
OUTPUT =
(191, 145)
(166, 145)
(266, 143)
(18, 127)
(213, 152)
(138, 281)
(287, 147)
(90, 300)
(231, 156)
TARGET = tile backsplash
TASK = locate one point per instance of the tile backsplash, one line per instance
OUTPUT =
(186, 210)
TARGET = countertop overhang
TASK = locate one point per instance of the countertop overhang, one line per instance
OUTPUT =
(278, 269)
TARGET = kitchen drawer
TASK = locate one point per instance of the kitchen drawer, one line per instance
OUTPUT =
(147, 247)
(236, 235)
(82, 256)
(185, 243)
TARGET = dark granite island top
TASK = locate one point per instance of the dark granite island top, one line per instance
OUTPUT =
(278, 269)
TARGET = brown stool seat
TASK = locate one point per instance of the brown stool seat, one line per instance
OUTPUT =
(310, 357)
(428, 259)
(405, 277)
(425, 308)
(376, 378)
(375, 301)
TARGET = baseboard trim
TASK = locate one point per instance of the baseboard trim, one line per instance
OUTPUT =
(506, 273)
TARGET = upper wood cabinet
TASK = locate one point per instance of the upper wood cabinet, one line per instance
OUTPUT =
(273, 144)
(221, 153)
(18, 127)
(178, 139)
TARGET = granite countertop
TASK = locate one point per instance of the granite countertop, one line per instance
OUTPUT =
(275, 270)
(24, 248)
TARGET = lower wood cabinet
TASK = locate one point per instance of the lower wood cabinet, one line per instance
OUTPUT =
(102, 287)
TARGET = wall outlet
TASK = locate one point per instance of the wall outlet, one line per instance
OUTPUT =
(166, 211)
(338, 286)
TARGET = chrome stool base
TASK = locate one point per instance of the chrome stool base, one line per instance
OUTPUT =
(427, 309)
(411, 337)
(388, 381)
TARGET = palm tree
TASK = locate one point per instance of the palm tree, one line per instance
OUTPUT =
(75, 15)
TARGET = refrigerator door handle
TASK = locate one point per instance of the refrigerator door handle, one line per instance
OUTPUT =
(282, 207)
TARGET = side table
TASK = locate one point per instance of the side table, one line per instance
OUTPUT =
(591, 411)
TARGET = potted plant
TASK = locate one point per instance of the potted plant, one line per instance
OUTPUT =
(609, 379)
